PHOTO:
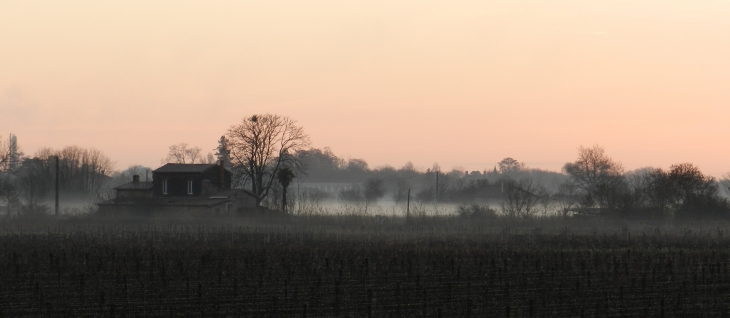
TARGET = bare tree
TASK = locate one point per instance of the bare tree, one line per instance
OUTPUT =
(546, 199)
(260, 145)
(209, 159)
(520, 198)
(181, 153)
(33, 183)
(401, 190)
(4, 154)
(595, 175)
(80, 169)
(566, 199)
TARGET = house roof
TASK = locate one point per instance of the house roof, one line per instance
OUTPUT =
(135, 186)
(184, 167)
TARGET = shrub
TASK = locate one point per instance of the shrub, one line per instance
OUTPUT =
(476, 211)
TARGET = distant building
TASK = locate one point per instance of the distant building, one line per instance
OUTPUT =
(180, 189)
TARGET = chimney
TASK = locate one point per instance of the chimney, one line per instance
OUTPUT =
(135, 178)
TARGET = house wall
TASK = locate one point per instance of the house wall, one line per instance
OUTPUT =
(134, 194)
(178, 182)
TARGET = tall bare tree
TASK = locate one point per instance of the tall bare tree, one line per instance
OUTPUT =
(596, 175)
(181, 153)
(260, 145)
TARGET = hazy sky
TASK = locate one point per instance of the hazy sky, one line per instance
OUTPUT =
(461, 83)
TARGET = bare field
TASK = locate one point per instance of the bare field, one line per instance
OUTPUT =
(362, 267)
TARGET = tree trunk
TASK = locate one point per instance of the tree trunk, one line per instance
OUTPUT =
(283, 200)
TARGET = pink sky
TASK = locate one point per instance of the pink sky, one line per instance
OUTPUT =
(461, 83)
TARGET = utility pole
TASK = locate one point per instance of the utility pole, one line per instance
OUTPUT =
(408, 205)
(56, 186)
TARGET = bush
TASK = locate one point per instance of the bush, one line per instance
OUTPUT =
(34, 211)
(476, 211)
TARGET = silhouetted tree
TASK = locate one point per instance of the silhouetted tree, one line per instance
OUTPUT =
(401, 190)
(509, 165)
(8, 192)
(33, 183)
(122, 177)
(80, 170)
(694, 194)
(320, 165)
(260, 145)
(181, 153)
(566, 198)
(222, 153)
(545, 198)
(285, 176)
(596, 175)
(373, 191)
(520, 198)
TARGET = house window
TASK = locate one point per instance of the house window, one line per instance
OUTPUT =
(164, 186)
(190, 186)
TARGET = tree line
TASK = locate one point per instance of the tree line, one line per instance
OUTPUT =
(81, 172)
(268, 153)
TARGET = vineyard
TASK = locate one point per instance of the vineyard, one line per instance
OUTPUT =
(184, 269)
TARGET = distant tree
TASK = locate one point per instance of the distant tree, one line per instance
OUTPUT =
(545, 199)
(520, 198)
(33, 183)
(566, 198)
(7, 160)
(260, 145)
(320, 165)
(81, 170)
(9, 192)
(357, 164)
(181, 153)
(222, 153)
(401, 190)
(595, 175)
(351, 194)
(285, 177)
(373, 191)
(695, 194)
(408, 167)
(725, 182)
(4, 154)
(509, 165)
(122, 177)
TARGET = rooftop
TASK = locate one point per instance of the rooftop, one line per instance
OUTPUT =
(185, 167)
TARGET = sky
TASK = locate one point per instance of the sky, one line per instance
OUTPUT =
(459, 83)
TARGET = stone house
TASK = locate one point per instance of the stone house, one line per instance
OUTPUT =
(180, 189)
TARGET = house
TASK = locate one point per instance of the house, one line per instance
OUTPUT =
(180, 189)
